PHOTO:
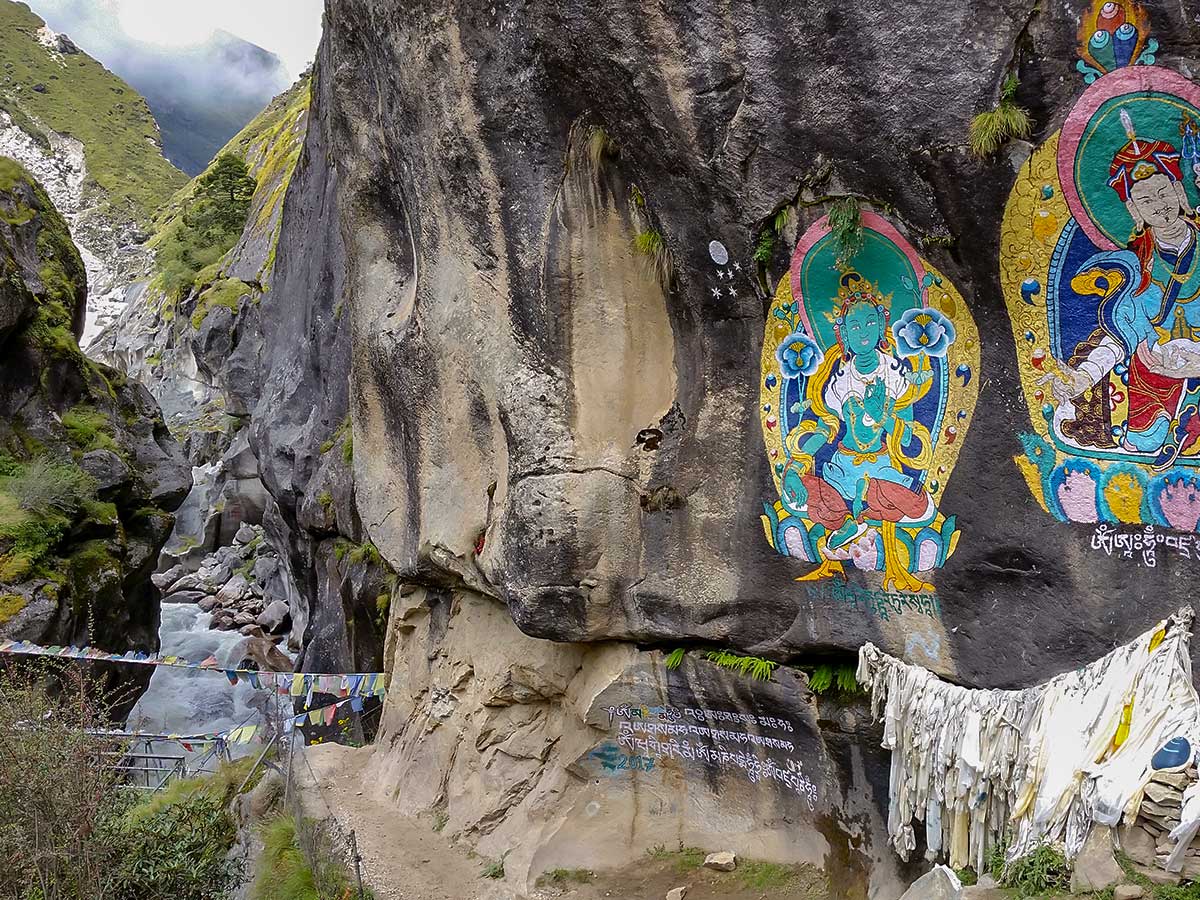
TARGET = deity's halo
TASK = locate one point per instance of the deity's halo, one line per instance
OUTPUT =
(1155, 99)
(886, 259)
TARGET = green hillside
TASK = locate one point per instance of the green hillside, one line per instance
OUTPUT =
(73, 94)
(270, 147)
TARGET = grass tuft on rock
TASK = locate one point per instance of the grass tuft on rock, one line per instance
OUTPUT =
(846, 229)
(1043, 870)
(89, 428)
(826, 677)
(600, 147)
(10, 605)
(754, 666)
(1006, 121)
(561, 877)
(764, 248)
(650, 244)
(48, 487)
(494, 868)
(224, 292)
(684, 859)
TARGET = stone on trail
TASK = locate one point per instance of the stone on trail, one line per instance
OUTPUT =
(939, 884)
(1128, 892)
(724, 861)
(245, 534)
(677, 893)
(1138, 844)
(1095, 867)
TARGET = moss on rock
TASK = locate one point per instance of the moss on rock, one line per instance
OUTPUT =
(226, 292)
(10, 605)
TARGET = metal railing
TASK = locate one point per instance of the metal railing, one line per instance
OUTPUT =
(142, 765)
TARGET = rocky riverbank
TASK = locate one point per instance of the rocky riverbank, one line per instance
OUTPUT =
(240, 585)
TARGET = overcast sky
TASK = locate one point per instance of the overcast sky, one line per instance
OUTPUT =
(288, 28)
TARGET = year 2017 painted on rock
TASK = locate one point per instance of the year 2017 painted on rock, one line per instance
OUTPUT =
(1100, 266)
(870, 372)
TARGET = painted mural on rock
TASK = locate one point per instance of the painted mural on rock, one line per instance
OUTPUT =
(1100, 269)
(869, 381)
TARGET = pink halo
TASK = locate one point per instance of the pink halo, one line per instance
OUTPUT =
(1130, 80)
(820, 228)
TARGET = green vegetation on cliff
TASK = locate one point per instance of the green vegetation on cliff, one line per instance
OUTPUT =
(64, 537)
(73, 94)
(191, 244)
(208, 223)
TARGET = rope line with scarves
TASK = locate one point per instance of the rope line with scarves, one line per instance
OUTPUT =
(295, 684)
(242, 734)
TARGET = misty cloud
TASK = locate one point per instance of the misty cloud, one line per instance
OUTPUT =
(201, 95)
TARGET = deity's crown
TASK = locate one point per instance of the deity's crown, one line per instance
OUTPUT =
(1141, 158)
(854, 288)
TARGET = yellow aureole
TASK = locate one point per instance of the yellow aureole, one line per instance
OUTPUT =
(1026, 245)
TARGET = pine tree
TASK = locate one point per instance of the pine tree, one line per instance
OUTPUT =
(223, 196)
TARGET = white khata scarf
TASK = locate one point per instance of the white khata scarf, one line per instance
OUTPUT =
(1040, 764)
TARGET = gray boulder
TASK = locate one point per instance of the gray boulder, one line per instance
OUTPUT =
(940, 884)
(1095, 867)
(169, 577)
(723, 861)
(275, 617)
(185, 597)
(233, 590)
(107, 468)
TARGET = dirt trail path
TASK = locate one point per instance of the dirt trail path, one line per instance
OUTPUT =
(403, 858)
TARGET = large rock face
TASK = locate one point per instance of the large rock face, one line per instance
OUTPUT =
(567, 232)
(538, 414)
(89, 474)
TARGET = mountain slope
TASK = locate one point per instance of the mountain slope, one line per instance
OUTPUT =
(201, 95)
(90, 140)
(48, 85)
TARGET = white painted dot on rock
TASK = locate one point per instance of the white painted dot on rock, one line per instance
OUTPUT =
(718, 253)
(592, 808)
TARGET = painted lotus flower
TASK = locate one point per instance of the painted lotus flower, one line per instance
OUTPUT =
(798, 355)
(923, 330)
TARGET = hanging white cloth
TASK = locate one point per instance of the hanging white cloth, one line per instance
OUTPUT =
(1041, 764)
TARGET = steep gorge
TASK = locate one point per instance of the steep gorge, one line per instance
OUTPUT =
(498, 375)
